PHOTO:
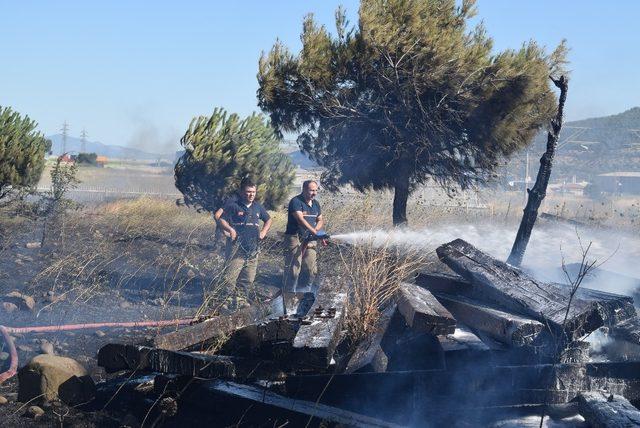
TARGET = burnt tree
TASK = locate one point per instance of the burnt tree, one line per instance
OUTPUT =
(539, 190)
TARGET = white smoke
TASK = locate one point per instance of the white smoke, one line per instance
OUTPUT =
(548, 245)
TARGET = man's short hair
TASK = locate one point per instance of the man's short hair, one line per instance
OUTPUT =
(305, 184)
(246, 182)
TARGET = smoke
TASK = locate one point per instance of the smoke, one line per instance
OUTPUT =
(549, 245)
(149, 137)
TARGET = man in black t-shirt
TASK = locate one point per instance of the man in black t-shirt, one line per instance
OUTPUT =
(241, 220)
(304, 220)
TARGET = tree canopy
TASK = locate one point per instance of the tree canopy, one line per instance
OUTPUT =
(410, 93)
(22, 151)
(222, 149)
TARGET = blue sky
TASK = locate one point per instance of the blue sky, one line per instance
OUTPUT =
(134, 73)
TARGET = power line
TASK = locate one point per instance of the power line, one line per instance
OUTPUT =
(83, 139)
(65, 133)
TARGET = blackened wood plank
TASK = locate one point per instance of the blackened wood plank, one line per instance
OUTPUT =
(423, 312)
(510, 329)
(513, 290)
(115, 357)
(602, 410)
(368, 355)
(212, 330)
(318, 336)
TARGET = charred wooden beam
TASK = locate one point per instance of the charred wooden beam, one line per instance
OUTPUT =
(369, 355)
(213, 330)
(510, 329)
(259, 404)
(116, 357)
(513, 290)
(615, 308)
(602, 410)
(423, 312)
(318, 336)
(628, 330)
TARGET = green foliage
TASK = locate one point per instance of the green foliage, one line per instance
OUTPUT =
(222, 149)
(409, 94)
(22, 151)
(63, 179)
(87, 158)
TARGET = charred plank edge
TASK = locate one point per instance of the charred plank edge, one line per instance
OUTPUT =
(115, 357)
(507, 328)
(315, 342)
(607, 410)
(422, 311)
(212, 329)
(368, 350)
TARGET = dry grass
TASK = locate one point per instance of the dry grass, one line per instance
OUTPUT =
(374, 275)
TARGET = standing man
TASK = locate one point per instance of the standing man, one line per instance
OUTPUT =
(241, 220)
(304, 221)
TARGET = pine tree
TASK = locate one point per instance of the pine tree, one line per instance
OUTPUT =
(22, 151)
(222, 149)
(409, 94)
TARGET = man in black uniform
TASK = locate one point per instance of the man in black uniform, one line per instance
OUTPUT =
(241, 220)
(304, 221)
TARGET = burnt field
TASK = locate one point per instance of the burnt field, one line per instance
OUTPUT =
(147, 259)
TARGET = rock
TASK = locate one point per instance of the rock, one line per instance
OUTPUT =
(35, 412)
(49, 377)
(22, 301)
(3, 400)
(33, 245)
(46, 347)
(100, 333)
(8, 307)
(4, 355)
(52, 297)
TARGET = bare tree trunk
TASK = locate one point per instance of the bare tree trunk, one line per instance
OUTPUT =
(400, 197)
(539, 190)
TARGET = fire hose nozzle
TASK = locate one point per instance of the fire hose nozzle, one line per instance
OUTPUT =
(320, 236)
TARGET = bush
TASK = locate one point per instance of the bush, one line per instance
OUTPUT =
(222, 149)
(22, 151)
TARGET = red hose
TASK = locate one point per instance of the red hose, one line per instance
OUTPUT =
(13, 354)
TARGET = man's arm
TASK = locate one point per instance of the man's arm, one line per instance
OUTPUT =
(319, 223)
(299, 216)
(265, 228)
(227, 228)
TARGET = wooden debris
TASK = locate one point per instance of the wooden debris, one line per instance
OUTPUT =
(602, 410)
(369, 355)
(115, 357)
(510, 329)
(628, 330)
(318, 336)
(512, 290)
(423, 312)
(615, 308)
(213, 330)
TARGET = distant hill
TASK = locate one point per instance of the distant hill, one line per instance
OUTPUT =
(74, 145)
(589, 147)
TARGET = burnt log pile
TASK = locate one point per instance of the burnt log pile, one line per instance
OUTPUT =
(489, 336)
